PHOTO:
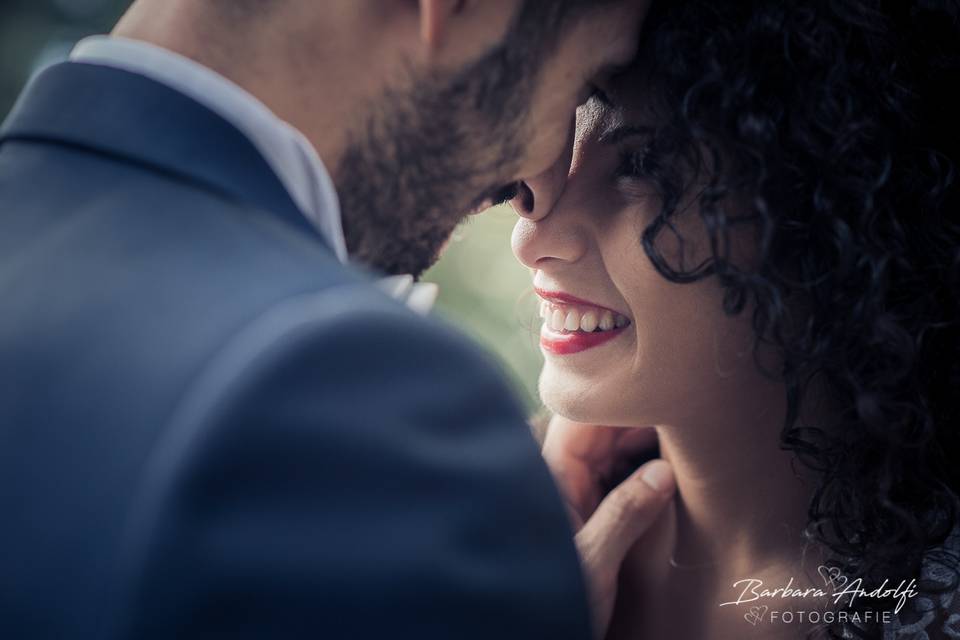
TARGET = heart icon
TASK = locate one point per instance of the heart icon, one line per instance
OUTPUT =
(832, 576)
(755, 614)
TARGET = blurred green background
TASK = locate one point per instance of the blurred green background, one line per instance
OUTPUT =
(483, 290)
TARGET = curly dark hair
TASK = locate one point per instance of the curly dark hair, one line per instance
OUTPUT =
(836, 121)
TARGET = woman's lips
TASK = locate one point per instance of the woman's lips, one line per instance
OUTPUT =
(562, 344)
(561, 297)
(572, 325)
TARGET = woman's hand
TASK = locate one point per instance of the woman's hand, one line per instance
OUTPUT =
(611, 505)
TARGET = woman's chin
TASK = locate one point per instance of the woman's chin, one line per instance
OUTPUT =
(574, 398)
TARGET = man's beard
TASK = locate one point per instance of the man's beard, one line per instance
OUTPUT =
(429, 156)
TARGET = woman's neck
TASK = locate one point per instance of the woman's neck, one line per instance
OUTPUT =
(742, 500)
(739, 515)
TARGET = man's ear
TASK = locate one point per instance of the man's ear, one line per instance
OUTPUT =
(434, 17)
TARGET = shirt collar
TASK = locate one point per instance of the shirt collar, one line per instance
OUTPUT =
(286, 150)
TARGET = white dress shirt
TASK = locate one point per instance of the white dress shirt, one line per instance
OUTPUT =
(286, 150)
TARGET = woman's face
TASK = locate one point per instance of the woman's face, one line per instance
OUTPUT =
(623, 345)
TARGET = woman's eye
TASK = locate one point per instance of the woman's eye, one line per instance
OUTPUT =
(635, 164)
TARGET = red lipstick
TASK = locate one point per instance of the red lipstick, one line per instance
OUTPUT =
(598, 324)
(563, 344)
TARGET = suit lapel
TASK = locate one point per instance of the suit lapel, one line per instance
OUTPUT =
(126, 115)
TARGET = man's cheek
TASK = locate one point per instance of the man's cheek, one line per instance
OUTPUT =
(547, 148)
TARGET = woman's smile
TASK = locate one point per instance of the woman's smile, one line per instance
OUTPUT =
(572, 325)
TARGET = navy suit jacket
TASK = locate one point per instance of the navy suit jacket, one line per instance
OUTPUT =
(210, 428)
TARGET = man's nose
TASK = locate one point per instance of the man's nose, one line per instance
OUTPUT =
(537, 196)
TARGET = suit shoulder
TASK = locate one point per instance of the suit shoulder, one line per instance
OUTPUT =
(351, 422)
(350, 331)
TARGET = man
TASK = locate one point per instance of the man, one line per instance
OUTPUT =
(212, 427)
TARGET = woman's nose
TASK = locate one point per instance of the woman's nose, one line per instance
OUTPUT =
(549, 231)
(552, 241)
(537, 196)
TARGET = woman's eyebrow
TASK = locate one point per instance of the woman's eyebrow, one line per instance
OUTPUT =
(620, 132)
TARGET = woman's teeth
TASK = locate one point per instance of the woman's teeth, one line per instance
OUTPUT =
(566, 319)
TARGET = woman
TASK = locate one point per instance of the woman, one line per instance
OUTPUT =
(756, 249)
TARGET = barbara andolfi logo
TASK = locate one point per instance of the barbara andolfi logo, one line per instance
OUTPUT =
(816, 605)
